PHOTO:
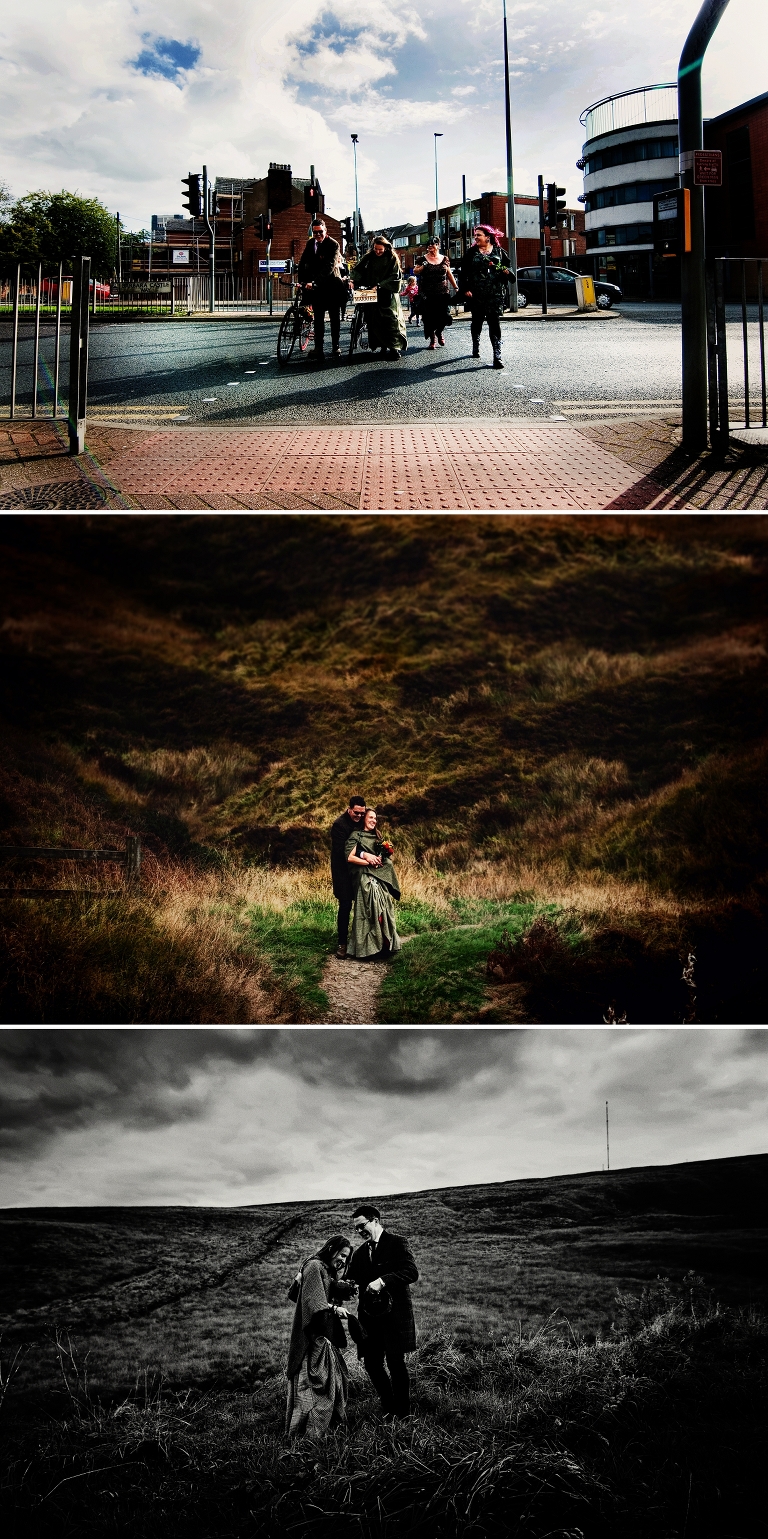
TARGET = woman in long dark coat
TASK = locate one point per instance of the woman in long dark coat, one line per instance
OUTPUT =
(436, 281)
(316, 1372)
(380, 269)
(484, 272)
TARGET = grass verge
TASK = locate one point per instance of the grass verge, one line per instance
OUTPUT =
(296, 942)
(440, 975)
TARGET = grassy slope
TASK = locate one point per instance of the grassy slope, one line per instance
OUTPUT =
(524, 1424)
(564, 710)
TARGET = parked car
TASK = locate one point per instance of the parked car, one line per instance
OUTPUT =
(561, 288)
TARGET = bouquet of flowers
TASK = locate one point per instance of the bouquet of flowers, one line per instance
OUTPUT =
(387, 847)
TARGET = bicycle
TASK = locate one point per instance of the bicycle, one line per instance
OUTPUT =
(297, 326)
(359, 341)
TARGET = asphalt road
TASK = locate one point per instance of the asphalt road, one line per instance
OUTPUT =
(226, 373)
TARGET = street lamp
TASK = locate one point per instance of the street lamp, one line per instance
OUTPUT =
(353, 137)
(511, 230)
(437, 200)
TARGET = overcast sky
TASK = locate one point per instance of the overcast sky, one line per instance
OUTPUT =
(120, 98)
(246, 1116)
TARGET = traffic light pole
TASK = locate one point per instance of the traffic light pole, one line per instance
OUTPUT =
(692, 280)
(269, 254)
(211, 228)
(78, 354)
(511, 230)
(542, 248)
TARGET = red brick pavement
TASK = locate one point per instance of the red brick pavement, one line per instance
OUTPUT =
(469, 466)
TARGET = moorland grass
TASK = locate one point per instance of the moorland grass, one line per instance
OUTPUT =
(542, 708)
(443, 976)
(653, 1432)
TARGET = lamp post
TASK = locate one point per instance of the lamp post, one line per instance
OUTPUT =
(692, 281)
(437, 200)
(353, 137)
(511, 230)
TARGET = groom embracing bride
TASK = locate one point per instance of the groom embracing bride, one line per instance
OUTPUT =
(364, 878)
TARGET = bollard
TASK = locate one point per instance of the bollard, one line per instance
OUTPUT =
(78, 354)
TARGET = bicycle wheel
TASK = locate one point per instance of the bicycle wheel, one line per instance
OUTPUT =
(286, 336)
(358, 340)
(306, 333)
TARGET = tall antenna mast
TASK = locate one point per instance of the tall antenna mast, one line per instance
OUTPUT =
(607, 1141)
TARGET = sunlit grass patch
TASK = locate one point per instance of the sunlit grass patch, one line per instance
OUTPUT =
(296, 942)
(441, 975)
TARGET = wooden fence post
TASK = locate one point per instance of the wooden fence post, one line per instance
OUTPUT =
(132, 862)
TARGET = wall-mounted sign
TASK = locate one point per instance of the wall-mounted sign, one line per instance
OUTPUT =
(274, 266)
(181, 258)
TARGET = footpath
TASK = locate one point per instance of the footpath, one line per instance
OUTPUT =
(471, 465)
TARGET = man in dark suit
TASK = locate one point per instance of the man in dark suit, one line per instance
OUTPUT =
(383, 1268)
(320, 272)
(341, 874)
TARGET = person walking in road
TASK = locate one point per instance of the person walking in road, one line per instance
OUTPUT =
(320, 273)
(380, 269)
(342, 874)
(436, 282)
(383, 1268)
(484, 275)
(411, 293)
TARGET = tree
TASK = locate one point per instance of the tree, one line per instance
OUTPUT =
(53, 227)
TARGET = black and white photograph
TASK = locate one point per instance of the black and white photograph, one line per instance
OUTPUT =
(429, 1282)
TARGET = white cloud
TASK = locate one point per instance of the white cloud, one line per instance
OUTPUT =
(254, 1128)
(271, 83)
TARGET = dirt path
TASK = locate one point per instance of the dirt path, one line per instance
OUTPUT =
(352, 988)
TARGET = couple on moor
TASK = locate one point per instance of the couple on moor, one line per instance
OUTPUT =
(378, 1275)
(364, 885)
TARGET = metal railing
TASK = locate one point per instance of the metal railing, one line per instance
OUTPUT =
(743, 280)
(141, 294)
(129, 859)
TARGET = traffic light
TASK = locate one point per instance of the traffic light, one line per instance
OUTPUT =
(348, 230)
(312, 198)
(268, 229)
(258, 225)
(192, 199)
(555, 207)
(672, 222)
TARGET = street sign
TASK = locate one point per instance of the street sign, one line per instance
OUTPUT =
(707, 168)
(181, 258)
(274, 266)
(365, 296)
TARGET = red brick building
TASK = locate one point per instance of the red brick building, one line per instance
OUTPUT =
(491, 208)
(737, 212)
(282, 193)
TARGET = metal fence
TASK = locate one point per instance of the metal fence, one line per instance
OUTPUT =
(743, 280)
(174, 294)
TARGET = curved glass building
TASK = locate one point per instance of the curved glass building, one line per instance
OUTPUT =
(630, 152)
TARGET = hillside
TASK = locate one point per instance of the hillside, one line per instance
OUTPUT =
(200, 1292)
(561, 714)
(151, 1396)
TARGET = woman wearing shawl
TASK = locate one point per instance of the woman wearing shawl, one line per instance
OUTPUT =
(435, 283)
(316, 1372)
(484, 272)
(380, 269)
(374, 926)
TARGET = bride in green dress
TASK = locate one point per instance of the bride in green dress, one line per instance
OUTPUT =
(374, 926)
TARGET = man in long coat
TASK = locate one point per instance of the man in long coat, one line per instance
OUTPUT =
(383, 1268)
(320, 272)
(341, 873)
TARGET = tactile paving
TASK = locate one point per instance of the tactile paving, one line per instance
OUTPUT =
(452, 467)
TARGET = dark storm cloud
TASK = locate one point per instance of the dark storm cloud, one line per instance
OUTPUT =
(58, 1080)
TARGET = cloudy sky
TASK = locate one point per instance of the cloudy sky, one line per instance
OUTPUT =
(242, 1116)
(120, 98)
